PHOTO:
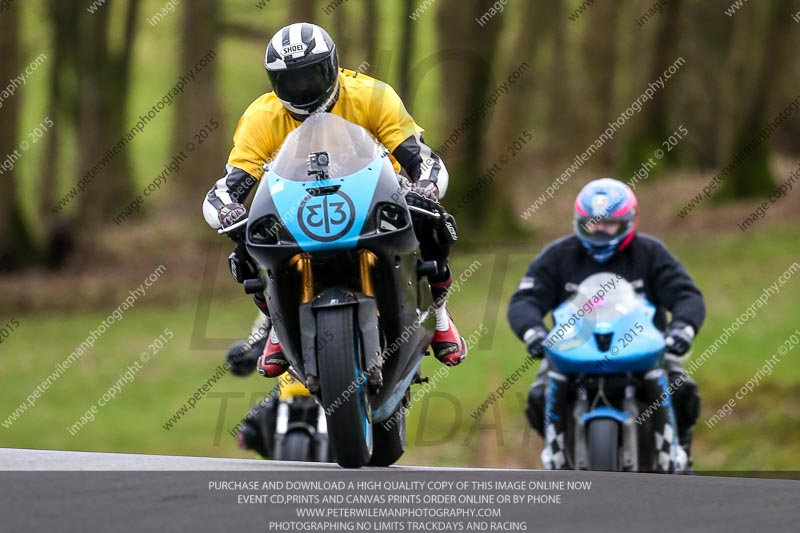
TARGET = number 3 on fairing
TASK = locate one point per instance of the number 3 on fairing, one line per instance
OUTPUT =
(327, 218)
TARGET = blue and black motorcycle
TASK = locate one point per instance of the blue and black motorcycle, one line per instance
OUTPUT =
(608, 403)
(345, 282)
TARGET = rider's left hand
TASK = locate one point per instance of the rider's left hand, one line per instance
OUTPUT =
(231, 215)
(680, 337)
(426, 189)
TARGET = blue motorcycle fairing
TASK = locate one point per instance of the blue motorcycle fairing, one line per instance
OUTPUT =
(326, 221)
(604, 412)
(575, 349)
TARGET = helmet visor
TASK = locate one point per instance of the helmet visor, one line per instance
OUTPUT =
(304, 86)
(601, 230)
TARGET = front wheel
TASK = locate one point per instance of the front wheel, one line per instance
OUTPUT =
(343, 388)
(603, 444)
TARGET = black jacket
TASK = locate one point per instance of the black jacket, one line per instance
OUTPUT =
(646, 263)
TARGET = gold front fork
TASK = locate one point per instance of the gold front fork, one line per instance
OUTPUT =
(302, 262)
(366, 261)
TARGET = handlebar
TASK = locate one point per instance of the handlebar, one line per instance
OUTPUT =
(232, 227)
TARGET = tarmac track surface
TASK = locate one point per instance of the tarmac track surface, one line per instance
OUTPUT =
(58, 491)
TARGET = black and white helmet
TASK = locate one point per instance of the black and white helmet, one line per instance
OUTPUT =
(303, 68)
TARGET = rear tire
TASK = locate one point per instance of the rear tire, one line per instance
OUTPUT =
(339, 360)
(603, 444)
(390, 443)
(296, 447)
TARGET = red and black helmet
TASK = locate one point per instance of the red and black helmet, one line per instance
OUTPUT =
(606, 215)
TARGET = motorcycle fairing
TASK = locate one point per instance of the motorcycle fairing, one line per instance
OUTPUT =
(332, 218)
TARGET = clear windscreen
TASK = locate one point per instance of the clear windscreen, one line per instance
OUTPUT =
(350, 148)
(608, 295)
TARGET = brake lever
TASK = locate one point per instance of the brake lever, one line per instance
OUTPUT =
(232, 227)
(430, 214)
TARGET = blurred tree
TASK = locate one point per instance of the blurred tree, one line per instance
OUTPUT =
(355, 47)
(599, 59)
(344, 37)
(61, 108)
(16, 245)
(653, 125)
(468, 66)
(302, 11)
(199, 105)
(406, 47)
(561, 114)
(102, 105)
(347, 41)
(371, 25)
(755, 55)
(532, 30)
(702, 86)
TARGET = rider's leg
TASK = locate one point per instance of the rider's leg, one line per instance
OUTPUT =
(448, 345)
(536, 400)
(272, 362)
(685, 399)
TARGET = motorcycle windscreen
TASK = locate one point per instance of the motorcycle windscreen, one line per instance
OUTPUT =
(604, 328)
(327, 213)
(350, 148)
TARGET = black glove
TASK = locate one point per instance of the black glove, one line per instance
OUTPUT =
(230, 215)
(534, 341)
(242, 265)
(680, 337)
(415, 198)
(433, 216)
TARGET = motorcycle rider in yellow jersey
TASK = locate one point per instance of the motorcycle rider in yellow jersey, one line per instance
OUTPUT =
(303, 67)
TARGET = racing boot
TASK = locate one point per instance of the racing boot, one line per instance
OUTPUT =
(272, 363)
(449, 347)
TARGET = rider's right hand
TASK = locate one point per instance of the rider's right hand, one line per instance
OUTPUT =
(229, 215)
(534, 341)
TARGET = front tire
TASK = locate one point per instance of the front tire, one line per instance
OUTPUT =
(602, 438)
(343, 388)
